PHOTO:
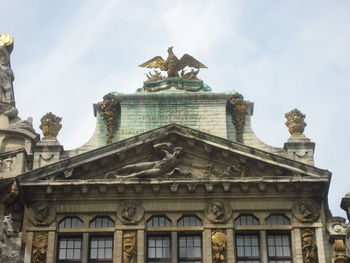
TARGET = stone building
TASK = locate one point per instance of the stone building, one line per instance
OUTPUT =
(173, 173)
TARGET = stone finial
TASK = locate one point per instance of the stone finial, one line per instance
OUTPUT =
(295, 122)
(50, 126)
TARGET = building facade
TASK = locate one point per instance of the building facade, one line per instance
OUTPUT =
(173, 173)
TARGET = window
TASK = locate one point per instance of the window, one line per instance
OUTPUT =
(277, 219)
(101, 249)
(158, 221)
(279, 248)
(246, 220)
(71, 222)
(190, 249)
(101, 222)
(189, 220)
(247, 248)
(69, 249)
(158, 249)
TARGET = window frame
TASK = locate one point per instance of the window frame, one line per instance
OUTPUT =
(75, 235)
(189, 234)
(154, 234)
(245, 258)
(279, 258)
(100, 235)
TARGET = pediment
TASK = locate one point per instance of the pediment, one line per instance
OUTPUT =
(174, 152)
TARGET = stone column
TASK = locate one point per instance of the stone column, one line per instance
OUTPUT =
(118, 247)
(263, 246)
(140, 246)
(297, 250)
(207, 253)
(50, 258)
(85, 248)
(230, 246)
(174, 248)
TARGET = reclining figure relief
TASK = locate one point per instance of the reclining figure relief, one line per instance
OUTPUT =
(163, 167)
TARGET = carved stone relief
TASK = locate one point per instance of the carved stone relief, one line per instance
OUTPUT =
(130, 247)
(309, 246)
(130, 212)
(219, 240)
(238, 110)
(217, 211)
(9, 250)
(306, 210)
(109, 112)
(39, 249)
(42, 214)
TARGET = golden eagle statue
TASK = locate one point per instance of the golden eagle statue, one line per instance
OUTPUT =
(172, 65)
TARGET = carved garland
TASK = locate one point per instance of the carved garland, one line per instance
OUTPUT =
(129, 247)
(309, 246)
(39, 249)
(109, 113)
(238, 110)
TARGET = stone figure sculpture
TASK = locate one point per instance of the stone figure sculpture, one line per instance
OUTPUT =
(9, 251)
(158, 168)
(172, 65)
(6, 73)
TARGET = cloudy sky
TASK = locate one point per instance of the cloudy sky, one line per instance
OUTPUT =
(278, 54)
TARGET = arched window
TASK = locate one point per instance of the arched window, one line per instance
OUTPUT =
(189, 220)
(277, 219)
(246, 220)
(158, 221)
(71, 222)
(101, 222)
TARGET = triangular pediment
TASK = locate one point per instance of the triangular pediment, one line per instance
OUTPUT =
(174, 152)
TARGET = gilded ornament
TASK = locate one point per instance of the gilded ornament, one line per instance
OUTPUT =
(39, 249)
(295, 122)
(6, 40)
(172, 65)
(238, 109)
(219, 241)
(306, 210)
(129, 247)
(110, 111)
(50, 126)
(339, 250)
(6, 75)
(309, 246)
(217, 211)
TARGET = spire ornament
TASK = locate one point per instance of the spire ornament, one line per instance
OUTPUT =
(50, 126)
(295, 123)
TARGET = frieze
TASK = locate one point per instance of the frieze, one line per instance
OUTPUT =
(130, 212)
(306, 210)
(218, 211)
(42, 214)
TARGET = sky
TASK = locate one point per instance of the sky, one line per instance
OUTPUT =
(280, 55)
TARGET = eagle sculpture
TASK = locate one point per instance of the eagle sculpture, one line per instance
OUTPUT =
(172, 65)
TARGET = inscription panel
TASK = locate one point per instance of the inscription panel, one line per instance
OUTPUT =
(204, 115)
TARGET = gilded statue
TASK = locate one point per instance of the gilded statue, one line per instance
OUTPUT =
(50, 126)
(172, 65)
(219, 240)
(166, 165)
(295, 122)
(309, 246)
(129, 247)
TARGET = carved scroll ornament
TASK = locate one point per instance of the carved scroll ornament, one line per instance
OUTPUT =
(39, 250)
(129, 247)
(217, 211)
(219, 240)
(237, 108)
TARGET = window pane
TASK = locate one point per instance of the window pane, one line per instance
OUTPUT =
(158, 248)
(101, 221)
(247, 247)
(189, 220)
(190, 248)
(101, 247)
(278, 248)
